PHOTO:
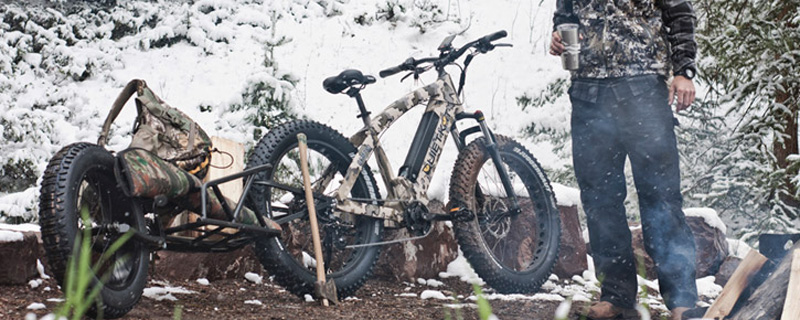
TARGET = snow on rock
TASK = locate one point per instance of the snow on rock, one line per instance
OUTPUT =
(35, 283)
(25, 227)
(430, 282)
(460, 268)
(707, 288)
(562, 312)
(165, 293)
(309, 261)
(308, 298)
(40, 268)
(709, 216)
(36, 306)
(460, 305)
(11, 236)
(203, 281)
(738, 248)
(253, 277)
(566, 196)
(253, 302)
(433, 294)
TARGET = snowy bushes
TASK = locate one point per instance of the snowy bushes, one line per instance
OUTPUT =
(421, 14)
(51, 64)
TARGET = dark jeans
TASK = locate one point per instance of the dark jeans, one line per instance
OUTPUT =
(629, 117)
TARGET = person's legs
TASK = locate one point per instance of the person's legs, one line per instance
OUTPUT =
(648, 135)
(599, 160)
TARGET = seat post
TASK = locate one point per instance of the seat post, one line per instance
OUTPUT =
(363, 113)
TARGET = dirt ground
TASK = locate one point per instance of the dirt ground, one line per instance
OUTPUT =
(225, 299)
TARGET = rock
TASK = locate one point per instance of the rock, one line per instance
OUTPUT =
(19, 252)
(710, 244)
(572, 253)
(726, 270)
(212, 266)
(423, 258)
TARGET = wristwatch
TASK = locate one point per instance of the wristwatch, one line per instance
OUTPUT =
(687, 72)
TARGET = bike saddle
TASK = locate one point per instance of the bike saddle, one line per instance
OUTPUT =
(346, 79)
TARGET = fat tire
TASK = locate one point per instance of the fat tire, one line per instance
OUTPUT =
(271, 252)
(468, 233)
(59, 215)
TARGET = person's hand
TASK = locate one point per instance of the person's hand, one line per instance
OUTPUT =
(682, 90)
(556, 47)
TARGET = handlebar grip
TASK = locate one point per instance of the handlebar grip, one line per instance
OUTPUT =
(388, 72)
(494, 36)
(409, 64)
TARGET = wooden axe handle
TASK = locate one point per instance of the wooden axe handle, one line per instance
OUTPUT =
(312, 211)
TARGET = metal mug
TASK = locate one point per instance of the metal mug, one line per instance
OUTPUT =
(572, 47)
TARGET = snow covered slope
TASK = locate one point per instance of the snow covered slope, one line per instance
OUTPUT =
(60, 70)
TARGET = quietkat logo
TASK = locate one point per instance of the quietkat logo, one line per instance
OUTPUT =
(437, 144)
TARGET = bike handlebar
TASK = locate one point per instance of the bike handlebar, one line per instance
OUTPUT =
(484, 44)
(409, 64)
(495, 36)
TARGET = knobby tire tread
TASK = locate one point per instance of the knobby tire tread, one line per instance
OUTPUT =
(264, 249)
(56, 228)
(468, 236)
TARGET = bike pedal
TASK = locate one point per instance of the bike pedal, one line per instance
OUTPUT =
(438, 217)
(461, 214)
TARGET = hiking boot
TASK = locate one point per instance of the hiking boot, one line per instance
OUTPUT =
(606, 310)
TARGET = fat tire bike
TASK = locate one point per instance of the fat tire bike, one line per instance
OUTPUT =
(501, 204)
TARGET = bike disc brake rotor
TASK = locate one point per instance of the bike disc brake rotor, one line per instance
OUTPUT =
(493, 218)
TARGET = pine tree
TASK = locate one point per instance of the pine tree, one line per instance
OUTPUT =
(751, 62)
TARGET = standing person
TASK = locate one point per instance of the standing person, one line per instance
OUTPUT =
(621, 108)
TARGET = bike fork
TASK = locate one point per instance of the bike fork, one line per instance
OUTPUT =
(491, 147)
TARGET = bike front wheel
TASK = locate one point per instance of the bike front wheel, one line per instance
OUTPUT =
(512, 253)
(290, 257)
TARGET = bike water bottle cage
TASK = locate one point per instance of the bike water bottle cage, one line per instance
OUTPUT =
(346, 79)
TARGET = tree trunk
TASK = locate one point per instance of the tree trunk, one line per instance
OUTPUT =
(789, 118)
(786, 146)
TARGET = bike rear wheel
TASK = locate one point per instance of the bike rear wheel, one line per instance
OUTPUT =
(512, 253)
(290, 257)
(79, 178)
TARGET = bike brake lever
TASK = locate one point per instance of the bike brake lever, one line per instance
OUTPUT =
(417, 71)
(408, 75)
(503, 45)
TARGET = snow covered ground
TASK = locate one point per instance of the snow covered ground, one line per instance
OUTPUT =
(75, 69)
(219, 50)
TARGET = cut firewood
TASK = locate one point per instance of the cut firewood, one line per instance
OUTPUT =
(791, 307)
(767, 301)
(229, 160)
(737, 283)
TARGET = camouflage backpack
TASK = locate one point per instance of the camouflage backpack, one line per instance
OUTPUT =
(163, 130)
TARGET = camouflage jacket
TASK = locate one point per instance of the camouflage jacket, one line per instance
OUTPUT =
(631, 37)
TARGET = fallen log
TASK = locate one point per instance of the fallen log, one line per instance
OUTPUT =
(791, 309)
(736, 285)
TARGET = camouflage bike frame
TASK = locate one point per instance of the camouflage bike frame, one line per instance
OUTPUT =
(443, 109)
